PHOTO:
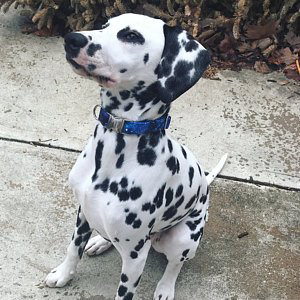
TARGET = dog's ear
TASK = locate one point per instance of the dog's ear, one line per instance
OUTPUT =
(182, 64)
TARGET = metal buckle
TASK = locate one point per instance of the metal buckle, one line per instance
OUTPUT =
(115, 124)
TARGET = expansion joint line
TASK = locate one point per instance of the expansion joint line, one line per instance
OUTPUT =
(226, 177)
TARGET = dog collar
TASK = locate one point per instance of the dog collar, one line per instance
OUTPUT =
(120, 125)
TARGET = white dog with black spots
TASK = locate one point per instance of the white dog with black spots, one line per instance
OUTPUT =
(137, 190)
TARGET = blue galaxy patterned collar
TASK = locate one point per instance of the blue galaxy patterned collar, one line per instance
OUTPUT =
(131, 127)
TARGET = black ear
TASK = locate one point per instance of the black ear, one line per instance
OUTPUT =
(182, 64)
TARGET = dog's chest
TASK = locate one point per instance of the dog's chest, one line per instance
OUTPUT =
(134, 182)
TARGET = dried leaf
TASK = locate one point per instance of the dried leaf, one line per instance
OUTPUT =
(261, 67)
(291, 72)
(226, 44)
(257, 32)
(283, 56)
(293, 39)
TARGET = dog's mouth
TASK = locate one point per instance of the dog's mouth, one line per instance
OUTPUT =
(81, 70)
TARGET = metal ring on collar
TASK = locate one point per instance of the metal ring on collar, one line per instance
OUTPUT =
(95, 111)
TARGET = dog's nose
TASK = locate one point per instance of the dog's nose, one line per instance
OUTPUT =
(73, 42)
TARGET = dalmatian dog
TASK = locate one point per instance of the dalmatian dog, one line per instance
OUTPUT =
(137, 187)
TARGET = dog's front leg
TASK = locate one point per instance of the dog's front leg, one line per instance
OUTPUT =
(133, 262)
(62, 274)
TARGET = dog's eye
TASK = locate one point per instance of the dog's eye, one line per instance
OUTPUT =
(130, 36)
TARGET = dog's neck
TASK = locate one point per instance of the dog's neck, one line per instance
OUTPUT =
(136, 104)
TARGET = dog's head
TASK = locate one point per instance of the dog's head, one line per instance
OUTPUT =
(134, 50)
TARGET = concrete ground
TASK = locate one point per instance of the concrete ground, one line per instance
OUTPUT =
(45, 119)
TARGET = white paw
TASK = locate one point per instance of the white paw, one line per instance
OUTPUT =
(59, 276)
(96, 245)
(164, 292)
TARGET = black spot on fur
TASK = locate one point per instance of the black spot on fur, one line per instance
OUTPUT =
(146, 58)
(124, 94)
(191, 175)
(139, 246)
(85, 227)
(96, 130)
(170, 145)
(191, 225)
(149, 206)
(196, 236)
(130, 218)
(137, 223)
(103, 186)
(198, 191)
(128, 106)
(199, 169)
(92, 48)
(123, 195)
(191, 45)
(183, 152)
(169, 213)
(122, 290)
(203, 199)
(190, 203)
(195, 213)
(123, 70)
(80, 252)
(98, 157)
(128, 296)
(114, 104)
(78, 241)
(91, 67)
(113, 187)
(120, 161)
(133, 254)
(120, 143)
(179, 190)
(135, 193)
(124, 277)
(173, 164)
(158, 199)
(185, 252)
(169, 196)
(179, 202)
(151, 223)
(146, 156)
(124, 182)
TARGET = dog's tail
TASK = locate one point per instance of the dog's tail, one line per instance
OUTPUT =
(216, 170)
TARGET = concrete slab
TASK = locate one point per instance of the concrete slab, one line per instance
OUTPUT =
(252, 117)
(38, 213)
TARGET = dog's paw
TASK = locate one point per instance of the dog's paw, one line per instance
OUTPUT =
(97, 245)
(164, 292)
(59, 276)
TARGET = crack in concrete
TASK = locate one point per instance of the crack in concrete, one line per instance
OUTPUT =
(220, 176)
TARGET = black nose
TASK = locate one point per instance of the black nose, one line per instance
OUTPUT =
(73, 42)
